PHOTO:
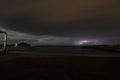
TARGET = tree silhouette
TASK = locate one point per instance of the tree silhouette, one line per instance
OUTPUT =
(24, 44)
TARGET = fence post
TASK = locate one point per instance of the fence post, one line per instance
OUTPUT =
(5, 43)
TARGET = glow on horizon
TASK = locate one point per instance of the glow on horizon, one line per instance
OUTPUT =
(83, 42)
(87, 42)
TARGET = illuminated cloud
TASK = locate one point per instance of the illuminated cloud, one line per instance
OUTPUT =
(17, 37)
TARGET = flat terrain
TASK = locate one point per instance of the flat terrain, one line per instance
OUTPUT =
(59, 67)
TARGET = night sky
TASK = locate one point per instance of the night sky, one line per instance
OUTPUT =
(63, 22)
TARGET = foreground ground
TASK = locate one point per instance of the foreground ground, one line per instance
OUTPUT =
(59, 67)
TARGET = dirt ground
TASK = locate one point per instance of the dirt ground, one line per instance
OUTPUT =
(59, 67)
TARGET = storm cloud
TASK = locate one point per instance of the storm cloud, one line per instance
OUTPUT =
(62, 18)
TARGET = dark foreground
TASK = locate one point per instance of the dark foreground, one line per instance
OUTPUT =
(59, 67)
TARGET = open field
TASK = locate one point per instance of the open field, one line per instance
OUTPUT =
(58, 67)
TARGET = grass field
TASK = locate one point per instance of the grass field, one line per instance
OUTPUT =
(58, 67)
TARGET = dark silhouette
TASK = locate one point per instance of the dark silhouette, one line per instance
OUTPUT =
(5, 41)
(23, 44)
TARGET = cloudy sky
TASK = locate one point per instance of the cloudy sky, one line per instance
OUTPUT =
(61, 21)
(17, 37)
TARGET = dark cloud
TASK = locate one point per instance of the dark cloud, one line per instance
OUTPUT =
(97, 26)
